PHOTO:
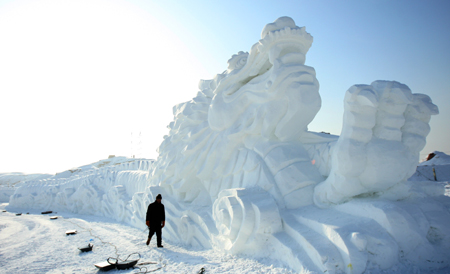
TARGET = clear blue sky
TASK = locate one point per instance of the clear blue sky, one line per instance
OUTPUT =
(82, 75)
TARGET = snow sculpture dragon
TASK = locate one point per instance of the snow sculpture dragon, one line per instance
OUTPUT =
(242, 148)
(248, 128)
(239, 170)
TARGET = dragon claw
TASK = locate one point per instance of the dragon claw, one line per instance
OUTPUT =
(384, 129)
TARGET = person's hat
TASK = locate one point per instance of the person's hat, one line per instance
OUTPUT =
(158, 196)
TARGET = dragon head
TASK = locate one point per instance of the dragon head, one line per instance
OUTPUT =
(268, 91)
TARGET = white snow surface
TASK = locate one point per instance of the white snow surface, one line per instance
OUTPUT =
(33, 243)
(243, 179)
(10, 181)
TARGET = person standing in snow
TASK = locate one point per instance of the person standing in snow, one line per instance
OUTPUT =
(156, 219)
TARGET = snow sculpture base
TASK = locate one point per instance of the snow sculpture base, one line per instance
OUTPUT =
(363, 232)
(244, 217)
(240, 172)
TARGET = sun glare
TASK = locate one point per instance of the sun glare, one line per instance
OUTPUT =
(101, 68)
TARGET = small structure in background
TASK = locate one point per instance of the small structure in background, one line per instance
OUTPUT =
(430, 156)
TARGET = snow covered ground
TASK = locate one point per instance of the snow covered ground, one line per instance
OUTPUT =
(33, 243)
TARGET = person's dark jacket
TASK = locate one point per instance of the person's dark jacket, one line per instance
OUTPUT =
(156, 214)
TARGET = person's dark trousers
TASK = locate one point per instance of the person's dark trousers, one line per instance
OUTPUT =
(155, 229)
